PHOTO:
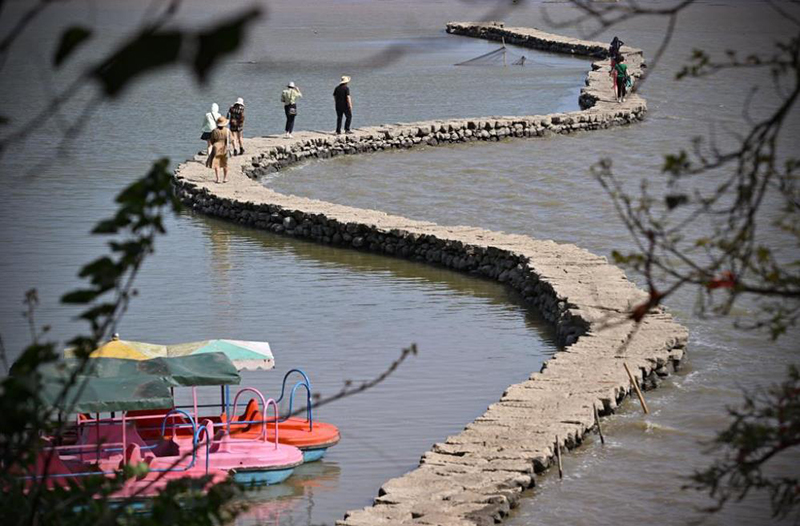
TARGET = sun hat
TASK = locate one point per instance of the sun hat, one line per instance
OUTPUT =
(345, 79)
(290, 85)
(240, 101)
(222, 121)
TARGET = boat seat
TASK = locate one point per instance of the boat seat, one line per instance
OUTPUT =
(251, 413)
(133, 455)
(110, 433)
(150, 428)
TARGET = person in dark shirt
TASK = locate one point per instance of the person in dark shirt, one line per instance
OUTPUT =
(236, 117)
(613, 53)
(344, 105)
(613, 49)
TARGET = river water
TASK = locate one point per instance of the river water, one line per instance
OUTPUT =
(343, 315)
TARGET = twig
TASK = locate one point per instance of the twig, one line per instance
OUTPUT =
(597, 423)
(638, 391)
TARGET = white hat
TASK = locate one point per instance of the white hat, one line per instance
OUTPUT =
(240, 101)
(345, 79)
(290, 85)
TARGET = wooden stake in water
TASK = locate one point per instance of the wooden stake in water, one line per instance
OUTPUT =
(558, 457)
(638, 391)
(597, 423)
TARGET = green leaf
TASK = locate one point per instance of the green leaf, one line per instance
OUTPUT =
(675, 200)
(150, 50)
(79, 296)
(220, 40)
(71, 39)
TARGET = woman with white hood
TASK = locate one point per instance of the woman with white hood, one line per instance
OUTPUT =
(210, 124)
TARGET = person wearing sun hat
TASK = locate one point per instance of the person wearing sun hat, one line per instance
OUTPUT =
(218, 157)
(289, 98)
(344, 105)
(236, 116)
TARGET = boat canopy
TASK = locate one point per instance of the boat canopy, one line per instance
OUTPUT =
(182, 371)
(91, 394)
(114, 384)
(245, 355)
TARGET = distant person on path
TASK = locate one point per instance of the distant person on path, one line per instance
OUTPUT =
(613, 53)
(622, 78)
(236, 116)
(344, 105)
(289, 98)
(209, 125)
(218, 156)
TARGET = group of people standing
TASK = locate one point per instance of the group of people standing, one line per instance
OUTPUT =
(619, 70)
(224, 134)
(341, 97)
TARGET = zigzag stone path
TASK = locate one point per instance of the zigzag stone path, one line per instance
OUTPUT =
(477, 476)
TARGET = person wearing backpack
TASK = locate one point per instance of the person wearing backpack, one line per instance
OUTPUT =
(613, 53)
(289, 98)
(209, 125)
(236, 118)
(622, 78)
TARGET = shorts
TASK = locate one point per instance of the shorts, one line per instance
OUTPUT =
(206, 136)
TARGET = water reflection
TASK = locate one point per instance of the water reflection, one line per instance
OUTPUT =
(278, 505)
(222, 234)
(220, 240)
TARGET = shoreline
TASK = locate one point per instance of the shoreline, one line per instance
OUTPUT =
(477, 476)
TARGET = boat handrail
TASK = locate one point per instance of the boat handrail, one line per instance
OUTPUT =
(176, 425)
(309, 414)
(274, 404)
(286, 376)
(204, 427)
(263, 409)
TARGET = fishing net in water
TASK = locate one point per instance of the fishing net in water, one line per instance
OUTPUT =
(498, 57)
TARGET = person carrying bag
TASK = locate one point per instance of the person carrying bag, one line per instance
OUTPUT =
(289, 98)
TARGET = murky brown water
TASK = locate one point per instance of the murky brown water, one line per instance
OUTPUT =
(346, 315)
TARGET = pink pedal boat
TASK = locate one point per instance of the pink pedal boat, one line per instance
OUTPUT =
(104, 445)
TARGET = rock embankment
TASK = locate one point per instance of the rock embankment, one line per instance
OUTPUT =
(476, 476)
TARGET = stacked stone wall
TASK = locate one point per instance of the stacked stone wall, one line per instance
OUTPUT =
(476, 476)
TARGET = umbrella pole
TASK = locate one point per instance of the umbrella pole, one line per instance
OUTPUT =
(124, 439)
(194, 400)
(222, 398)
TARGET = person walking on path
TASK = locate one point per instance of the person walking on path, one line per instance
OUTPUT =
(236, 116)
(209, 125)
(613, 54)
(622, 78)
(289, 98)
(344, 105)
(218, 156)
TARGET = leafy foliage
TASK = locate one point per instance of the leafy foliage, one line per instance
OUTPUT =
(28, 427)
(767, 424)
(736, 239)
(71, 40)
(155, 48)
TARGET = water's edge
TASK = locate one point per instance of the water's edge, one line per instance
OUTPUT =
(475, 477)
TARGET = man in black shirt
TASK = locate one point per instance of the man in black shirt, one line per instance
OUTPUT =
(344, 105)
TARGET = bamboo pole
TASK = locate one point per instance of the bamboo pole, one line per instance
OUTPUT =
(597, 423)
(638, 391)
(558, 457)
